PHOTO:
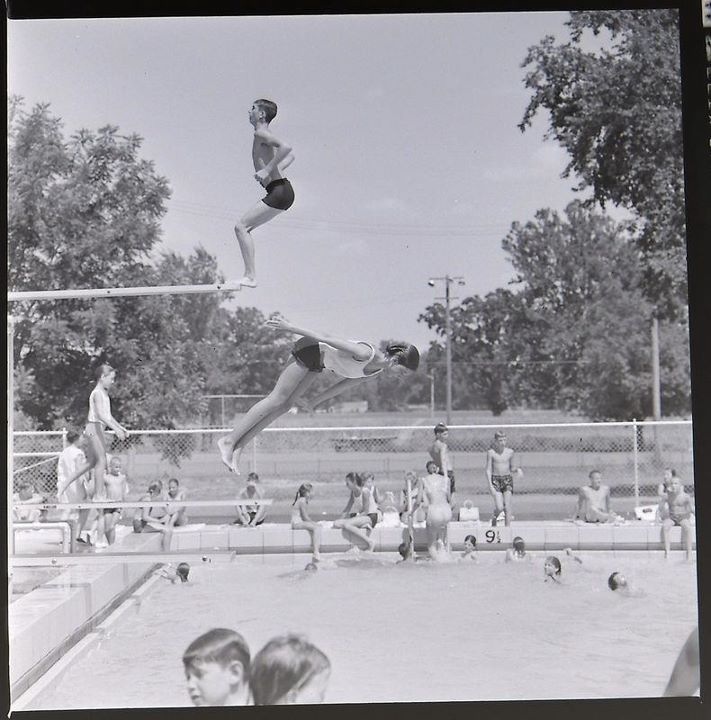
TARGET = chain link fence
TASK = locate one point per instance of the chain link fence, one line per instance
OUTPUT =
(556, 458)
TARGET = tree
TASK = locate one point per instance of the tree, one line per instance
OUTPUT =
(573, 333)
(617, 112)
(86, 212)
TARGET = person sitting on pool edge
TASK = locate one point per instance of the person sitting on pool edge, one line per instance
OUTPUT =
(676, 509)
(217, 667)
(251, 515)
(26, 494)
(178, 514)
(594, 501)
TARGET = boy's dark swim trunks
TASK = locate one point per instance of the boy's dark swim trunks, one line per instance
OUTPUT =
(280, 194)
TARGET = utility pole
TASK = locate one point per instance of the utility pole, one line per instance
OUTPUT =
(447, 280)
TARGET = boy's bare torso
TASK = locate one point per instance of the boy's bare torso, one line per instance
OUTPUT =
(262, 155)
(501, 462)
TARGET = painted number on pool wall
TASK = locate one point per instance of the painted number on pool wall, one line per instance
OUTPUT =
(492, 536)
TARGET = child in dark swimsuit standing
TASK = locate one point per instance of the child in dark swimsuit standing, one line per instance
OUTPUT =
(270, 156)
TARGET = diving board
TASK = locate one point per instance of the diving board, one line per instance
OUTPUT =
(232, 286)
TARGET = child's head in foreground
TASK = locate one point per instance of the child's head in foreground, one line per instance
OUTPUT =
(217, 668)
(289, 670)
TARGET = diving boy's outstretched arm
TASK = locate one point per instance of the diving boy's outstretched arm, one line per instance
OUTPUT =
(340, 387)
(358, 350)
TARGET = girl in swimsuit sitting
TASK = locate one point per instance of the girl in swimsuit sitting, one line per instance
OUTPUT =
(300, 519)
(351, 361)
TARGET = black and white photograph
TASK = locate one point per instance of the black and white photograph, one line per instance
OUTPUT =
(348, 359)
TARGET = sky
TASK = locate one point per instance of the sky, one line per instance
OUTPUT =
(408, 160)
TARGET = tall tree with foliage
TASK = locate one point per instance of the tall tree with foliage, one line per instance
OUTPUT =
(617, 112)
(86, 212)
(573, 331)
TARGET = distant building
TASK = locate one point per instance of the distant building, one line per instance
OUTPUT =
(350, 406)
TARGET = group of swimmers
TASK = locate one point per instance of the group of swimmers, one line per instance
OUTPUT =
(219, 670)
(553, 567)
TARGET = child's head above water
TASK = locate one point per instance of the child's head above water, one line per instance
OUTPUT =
(470, 543)
(288, 670)
(519, 545)
(552, 566)
(182, 571)
(217, 667)
(616, 581)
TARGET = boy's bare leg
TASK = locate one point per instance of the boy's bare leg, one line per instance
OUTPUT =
(498, 506)
(258, 215)
(275, 404)
(507, 508)
(666, 536)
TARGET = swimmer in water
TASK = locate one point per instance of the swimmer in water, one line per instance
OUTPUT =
(618, 582)
(552, 569)
(517, 551)
(181, 573)
(470, 549)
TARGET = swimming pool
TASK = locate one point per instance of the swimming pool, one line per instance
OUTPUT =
(403, 633)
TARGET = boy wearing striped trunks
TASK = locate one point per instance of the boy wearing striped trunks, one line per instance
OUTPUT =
(500, 470)
(271, 157)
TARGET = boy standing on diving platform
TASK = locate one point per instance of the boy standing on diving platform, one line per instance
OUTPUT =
(271, 157)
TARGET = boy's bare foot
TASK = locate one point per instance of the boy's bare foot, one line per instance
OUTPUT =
(234, 464)
(226, 450)
(248, 282)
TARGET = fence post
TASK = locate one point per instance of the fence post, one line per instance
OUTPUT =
(64, 438)
(10, 484)
(635, 451)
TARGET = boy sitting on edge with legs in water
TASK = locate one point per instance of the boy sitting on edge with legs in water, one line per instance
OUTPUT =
(270, 157)
(351, 361)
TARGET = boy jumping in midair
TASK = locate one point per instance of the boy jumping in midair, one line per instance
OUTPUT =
(270, 156)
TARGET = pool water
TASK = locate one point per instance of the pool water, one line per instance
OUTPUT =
(402, 632)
